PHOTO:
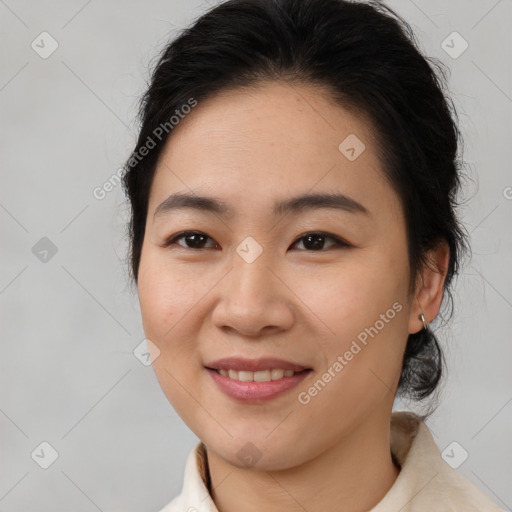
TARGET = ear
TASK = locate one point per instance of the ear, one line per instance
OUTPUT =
(428, 294)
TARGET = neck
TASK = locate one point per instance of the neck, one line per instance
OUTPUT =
(351, 476)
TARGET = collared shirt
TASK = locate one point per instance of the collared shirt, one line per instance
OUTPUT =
(426, 483)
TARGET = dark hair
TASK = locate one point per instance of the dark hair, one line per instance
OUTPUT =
(367, 57)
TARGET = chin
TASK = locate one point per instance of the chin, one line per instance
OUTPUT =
(245, 452)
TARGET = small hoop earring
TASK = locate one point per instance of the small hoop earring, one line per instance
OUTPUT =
(425, 323)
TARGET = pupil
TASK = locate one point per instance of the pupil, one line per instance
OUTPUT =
(316, 244)
(195, 239)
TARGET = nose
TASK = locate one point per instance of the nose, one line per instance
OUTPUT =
(254, 299)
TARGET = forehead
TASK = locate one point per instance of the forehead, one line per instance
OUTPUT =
(272, 140)
(271, 118)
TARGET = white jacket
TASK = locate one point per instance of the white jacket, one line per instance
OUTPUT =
(426, 483)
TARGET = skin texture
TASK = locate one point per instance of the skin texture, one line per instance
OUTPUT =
(251, 148)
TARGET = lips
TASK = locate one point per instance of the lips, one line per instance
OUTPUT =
(256, 380)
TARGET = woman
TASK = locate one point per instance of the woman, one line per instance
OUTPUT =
(293, 234)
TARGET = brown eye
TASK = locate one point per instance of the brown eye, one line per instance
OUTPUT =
(192, 240)
(317, 241)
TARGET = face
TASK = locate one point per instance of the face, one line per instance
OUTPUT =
(232, 283)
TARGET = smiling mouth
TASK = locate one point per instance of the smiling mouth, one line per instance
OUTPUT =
(256, 387)
(258, 376)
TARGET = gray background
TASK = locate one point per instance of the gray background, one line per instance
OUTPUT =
(70, 324)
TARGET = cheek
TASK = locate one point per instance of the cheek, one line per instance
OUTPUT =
(364, 307)
(169, 300)
(166, 294)
(351, 297)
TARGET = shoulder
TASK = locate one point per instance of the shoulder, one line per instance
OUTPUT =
(426, 481)
(194, 496)
(175, 505)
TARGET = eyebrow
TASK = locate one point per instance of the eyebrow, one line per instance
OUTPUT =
(180, 200)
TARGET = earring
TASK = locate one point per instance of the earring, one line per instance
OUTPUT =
(425, 323)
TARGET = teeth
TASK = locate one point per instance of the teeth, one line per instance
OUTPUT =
(276, 374)
(245, 376)
(259, 376)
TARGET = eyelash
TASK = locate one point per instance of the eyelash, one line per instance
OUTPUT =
(338, 241)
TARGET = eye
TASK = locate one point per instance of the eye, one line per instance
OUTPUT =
(311, 241)
(316, 241)
(193, 240)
